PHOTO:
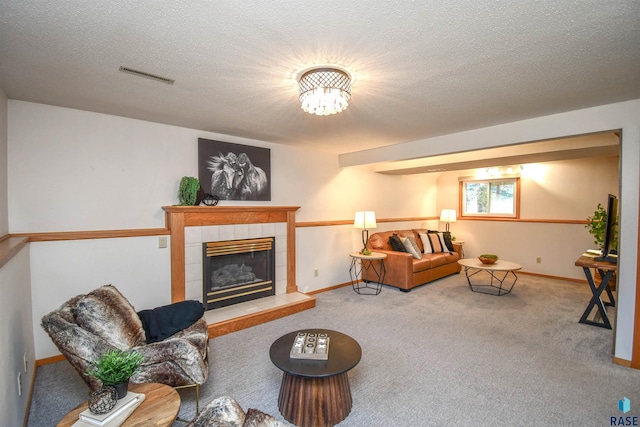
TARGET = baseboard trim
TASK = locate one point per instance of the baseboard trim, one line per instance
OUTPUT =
(330, 288)
(548, 276)
(48, 360)
(622, 362)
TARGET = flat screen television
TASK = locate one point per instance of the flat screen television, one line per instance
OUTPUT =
(609, 251)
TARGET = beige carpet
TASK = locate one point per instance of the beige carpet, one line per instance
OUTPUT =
(438, 355)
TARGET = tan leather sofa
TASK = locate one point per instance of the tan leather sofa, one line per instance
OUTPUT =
(406, 272)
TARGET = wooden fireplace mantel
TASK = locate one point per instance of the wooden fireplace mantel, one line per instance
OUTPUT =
(179, 217)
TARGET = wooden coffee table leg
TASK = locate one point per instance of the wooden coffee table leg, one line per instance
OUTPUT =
(315, 402)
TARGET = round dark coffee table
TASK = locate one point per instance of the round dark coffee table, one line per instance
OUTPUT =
(316, 393)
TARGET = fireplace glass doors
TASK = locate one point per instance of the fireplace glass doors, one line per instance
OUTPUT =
(237, 271)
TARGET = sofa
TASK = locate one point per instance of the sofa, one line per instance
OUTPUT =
(406, 271)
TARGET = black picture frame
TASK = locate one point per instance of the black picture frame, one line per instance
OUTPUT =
(234, 171)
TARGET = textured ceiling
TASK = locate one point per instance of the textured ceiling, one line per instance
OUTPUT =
(420, 68)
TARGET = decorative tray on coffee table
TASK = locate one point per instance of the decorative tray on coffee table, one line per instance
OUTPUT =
(307, 345)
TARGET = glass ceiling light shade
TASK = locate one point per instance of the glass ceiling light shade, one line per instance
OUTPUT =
(324, 91)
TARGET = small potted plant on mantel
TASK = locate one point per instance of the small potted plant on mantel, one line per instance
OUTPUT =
(115, 367)
(189, 191)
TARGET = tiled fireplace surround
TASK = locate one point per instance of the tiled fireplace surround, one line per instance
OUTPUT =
(196, 235)
(190, 226)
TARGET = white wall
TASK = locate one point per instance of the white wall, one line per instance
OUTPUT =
(95, 184)
(4, 213)
(629, 233)
(16, 338)
(564, 190)
(16, 329)
(92, 171)
(64, 269)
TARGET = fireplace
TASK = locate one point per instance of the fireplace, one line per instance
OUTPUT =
(236, 271)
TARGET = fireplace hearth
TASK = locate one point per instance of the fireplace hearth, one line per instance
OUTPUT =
(236, 271)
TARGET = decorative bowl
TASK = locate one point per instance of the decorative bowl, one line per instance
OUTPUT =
(488, 258)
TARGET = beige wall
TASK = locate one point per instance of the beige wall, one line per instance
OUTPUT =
(562, 190)
(622, 116)
(4, 214)
(16, 327)
(97, 172)
(108, 157)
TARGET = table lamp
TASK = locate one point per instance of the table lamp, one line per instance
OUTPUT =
(447, 216)
(365, 220)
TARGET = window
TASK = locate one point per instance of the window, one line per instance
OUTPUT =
(490, 197)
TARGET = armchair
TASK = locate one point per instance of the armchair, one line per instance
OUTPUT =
(87, 326)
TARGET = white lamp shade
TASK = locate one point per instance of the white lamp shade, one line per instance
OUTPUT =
(365, 220)
(448, 215)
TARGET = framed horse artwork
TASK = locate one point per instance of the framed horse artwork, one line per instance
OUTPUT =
(234, 171)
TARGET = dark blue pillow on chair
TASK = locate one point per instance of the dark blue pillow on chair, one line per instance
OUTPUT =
(162, 322)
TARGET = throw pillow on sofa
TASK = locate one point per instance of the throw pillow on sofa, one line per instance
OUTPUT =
(448, 241)
(396, 243)
(434, 241)
(411, 247)
(426, 243)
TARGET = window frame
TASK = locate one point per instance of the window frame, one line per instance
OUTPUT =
(475, 180)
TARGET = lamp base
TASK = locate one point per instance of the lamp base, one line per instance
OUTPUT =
(365, 239)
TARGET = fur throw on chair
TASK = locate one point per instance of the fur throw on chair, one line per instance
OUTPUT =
(226, 412)
(87, 326)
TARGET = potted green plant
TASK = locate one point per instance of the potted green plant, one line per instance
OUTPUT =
(189, 191)
(597, 227)
(115, 367)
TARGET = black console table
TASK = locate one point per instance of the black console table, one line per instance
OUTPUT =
(606, 270)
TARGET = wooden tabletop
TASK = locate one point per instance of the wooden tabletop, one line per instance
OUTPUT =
(499, 265)
(372, 256)
(344, 354)
(159, 408)
(589, 262)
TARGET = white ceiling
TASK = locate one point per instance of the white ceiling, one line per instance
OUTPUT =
(420, 68)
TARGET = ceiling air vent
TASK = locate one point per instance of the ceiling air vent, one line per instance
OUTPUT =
(147, 75)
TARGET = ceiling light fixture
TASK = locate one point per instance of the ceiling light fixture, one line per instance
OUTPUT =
(324, 91)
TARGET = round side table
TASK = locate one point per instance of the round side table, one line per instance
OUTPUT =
(367, 272)
(159, 408)
(316, 393)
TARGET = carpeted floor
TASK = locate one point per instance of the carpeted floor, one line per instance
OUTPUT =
(438, 355)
